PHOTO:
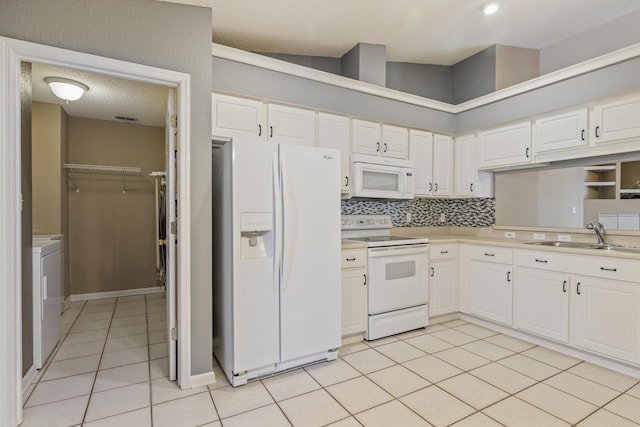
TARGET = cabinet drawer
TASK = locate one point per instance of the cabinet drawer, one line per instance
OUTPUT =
(546, 260)
(445, 251)
(354, 258)
(607, 268)
(491, 254)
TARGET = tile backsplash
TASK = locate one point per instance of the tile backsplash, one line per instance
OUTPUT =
(478, 212)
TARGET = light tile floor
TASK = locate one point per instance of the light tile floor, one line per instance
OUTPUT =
(111, 370)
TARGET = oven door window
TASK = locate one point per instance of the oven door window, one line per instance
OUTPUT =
(380, 181)
(399, 270)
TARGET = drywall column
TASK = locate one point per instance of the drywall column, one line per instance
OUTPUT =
(366, 62)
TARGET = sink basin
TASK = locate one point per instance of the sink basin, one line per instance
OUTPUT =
(558, 244)
(578, 245)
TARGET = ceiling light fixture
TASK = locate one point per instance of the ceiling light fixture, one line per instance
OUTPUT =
(66, 89)
(491, 8)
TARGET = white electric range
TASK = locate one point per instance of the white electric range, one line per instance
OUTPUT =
(398, 282)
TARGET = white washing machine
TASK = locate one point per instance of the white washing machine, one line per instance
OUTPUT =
(47, 298)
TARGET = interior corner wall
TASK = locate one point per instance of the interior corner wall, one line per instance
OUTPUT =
(322, 63)
(350, 63)
(475, 76)
(429, 81)
(247, 80)
(515, 65)
(160, 34)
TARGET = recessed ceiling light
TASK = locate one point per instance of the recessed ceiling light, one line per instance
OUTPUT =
(491, 8)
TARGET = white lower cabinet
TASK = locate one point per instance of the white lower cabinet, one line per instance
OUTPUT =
(606, 317)
(443, 286)
(542, 303)
(354, 292)
(491, 284)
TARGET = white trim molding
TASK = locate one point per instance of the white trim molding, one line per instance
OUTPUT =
(12, 53)
(249, 58)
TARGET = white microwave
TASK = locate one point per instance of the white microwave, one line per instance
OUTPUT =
(381, 177)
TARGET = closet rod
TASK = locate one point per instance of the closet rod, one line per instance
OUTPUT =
(101, 168)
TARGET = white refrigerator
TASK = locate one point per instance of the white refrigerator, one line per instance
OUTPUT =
(276, 253)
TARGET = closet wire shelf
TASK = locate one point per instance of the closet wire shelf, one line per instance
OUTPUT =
(123, 171)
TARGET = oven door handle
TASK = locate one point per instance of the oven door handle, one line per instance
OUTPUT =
(422, 248)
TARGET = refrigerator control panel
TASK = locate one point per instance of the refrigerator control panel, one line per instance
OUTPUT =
(256, 221)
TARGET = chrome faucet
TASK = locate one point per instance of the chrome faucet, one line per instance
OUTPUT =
(598, 228)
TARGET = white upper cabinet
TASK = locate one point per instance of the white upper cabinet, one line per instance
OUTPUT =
(238, 117)
(559, 131)
(505, 146)
(288, 125)
(234, 117)
(421, 153)
(395, 142)
(333, 132)
(614, 120)
(365, 137)
(372, 138)
(465, 165)
(442, 165)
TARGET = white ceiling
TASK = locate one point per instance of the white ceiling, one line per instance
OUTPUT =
(441, 32)
(420, 31)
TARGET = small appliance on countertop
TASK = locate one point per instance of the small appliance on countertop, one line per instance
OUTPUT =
(398, 289)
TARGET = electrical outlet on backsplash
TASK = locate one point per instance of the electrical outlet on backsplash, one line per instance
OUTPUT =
(478, 212)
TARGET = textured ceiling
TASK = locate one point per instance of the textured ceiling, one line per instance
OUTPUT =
(107, 96)
(441, 32)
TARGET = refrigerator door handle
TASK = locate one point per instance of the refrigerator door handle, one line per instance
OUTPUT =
(286, 209)
(277, 223)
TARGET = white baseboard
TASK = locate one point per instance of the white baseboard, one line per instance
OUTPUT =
(113, 294)
(28, 378)
(203, 379)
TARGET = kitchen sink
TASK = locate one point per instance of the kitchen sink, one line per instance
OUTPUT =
(579, 245)
(559, 244)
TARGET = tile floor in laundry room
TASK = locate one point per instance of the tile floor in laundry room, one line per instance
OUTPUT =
(111, 370)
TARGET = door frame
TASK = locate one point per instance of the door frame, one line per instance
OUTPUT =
(12, 53)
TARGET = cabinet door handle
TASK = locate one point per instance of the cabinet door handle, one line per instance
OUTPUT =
(543, 261)
(270, 131)
(259, 130)
(526, 152)
(489, 254)
(377, 147)
(471, 187)
(435, 187)
(508, 276)
(597, 131)
(564, 286)
(365, 279)
(608, 269)
(347, 181)
(444, 252)
(582, 135)
(385, 147)
(430, 186)
(433, 272)
(351, 259)
(578, 288)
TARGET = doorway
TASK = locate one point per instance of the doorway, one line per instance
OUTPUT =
(13, 53)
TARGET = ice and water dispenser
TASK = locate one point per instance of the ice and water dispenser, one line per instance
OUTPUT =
(256, 235)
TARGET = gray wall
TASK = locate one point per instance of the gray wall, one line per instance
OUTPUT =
(159, 34)
(322, 63)
(601, 83)
(246, 80)
(474, 76)
(429, 81)
(608, 37)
